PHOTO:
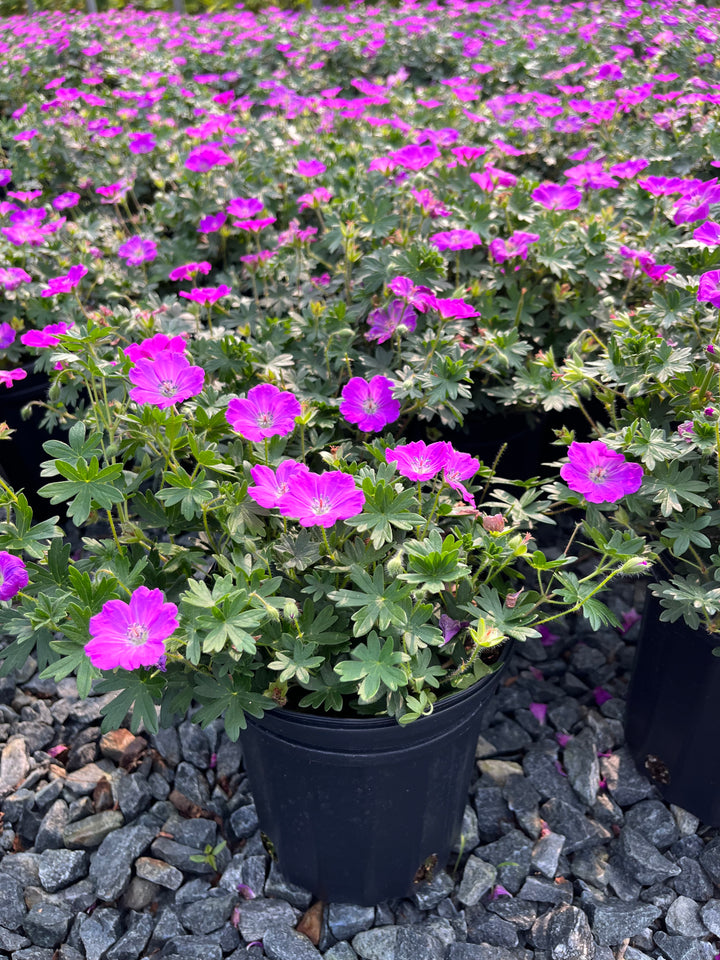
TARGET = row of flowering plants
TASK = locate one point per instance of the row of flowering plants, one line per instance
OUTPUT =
(274, 265)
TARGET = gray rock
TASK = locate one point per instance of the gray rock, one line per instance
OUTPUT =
(478, 878)
(34, 953)
(486, 927)
(520, 794)
(643, 860)
(50, 831)
(167, 926)
(683, 948)
(196, 832)
(205, 916)
(167, 744)
(429, 893)
(683, 918)
(179, 855)
(540, 766)
(79, 896)
(192, 948)
(132, 943)
(543, 890)
(692, 881)
(60, 868)
(133, 795)
(546, 854)
(621, 880)
(591, 866)
(569, 935)
(469, 835)
(581, 763)
(277, 886)
(710, 859)
(484, 951)
(492, 812)
(99, 932)
(508, 736)
(159, 787)
(687, 822)
(90, 832)
(257, 916)
(12, 904)
(284, 943)
(654, 821)
(376, 944)
(626, 785)
(466, 951)
(139, 894)
(244, 821)
(445, 930)
(192, 784)
(340, 951)
(511, 856)
(520, 913)
(615, 921)
(229, 757)
(10, 942)
(710, 915)
(14, 765)
(194, 744)
(346, 919)
(414, 942)
(580, 832)
(193, 890)
(112, 863)
(47, 924)
(159, 872)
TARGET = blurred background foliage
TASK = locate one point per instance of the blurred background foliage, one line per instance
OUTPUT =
(14, 7)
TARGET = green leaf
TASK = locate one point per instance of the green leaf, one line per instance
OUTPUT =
(85, 486)
(374, 667)
(379, 603)
(384, 509)
(670, 485)
(190, 492)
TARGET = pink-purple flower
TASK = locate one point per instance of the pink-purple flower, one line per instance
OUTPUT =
(398, 316)
(206, 295)
(167, 379)
(271, 485)
(708, 233)
(413, 157)
(65, 283)
(204, 158)
(244, 207)
(600, 474)
(450, 308)
(132, 635)
(459, 466)
(369, 404)
(9, 377)
(7, 335)
(418, 460)
(189, 270)
(265, 412)
(12, 277)
(709, 288)
(554, 196)
(152, 347)
(136, 250)
(141, 142)
(456, 239)
(13, 575)
(65, 201)
(321, 499)
(49, 336)
(310, 168)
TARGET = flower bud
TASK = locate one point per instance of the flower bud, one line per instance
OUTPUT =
(486, 636)
(494, 523)
(395, 565)
(291, 610)
(635, 565)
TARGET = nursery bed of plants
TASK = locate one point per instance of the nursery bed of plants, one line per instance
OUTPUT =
(326, 319)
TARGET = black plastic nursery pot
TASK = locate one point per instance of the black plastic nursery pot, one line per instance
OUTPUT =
(672, 721)
(355, 806)
(22, 453)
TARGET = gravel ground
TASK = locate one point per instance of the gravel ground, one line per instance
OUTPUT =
(568, 853)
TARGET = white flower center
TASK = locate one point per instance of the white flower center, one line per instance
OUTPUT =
(265, 419)
(137, 634)
(320, 505)
(369, 405)
(598, 474)
(168, 388)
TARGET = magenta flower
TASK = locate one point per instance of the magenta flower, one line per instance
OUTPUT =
(5, 176)
(13, 575)
(137, 251)
(539, 711)
(141, 143)
(314, 199)
(310, 168)
(709, 288)
(418, 297)
(383, 323)
(7, 335)
(449, 309)
(8, 377)
(66, 283)
(165, 380)
(244, 207)
(451, 628)
(415, 158)
(204, 158)
(266, 412)
(131, 635)
(600, 474)
(254, 226)
(211, 223)
(152, 347)
(206, 295)
(12, 277)
(321, 499)
(628, 168)
(49, 336)
(114, 192)
(460, 466)
(708, 233)
(418, 460)
(189, 270)
(429, 204)
(456, 239)
(66, 200)
(369, 404)
(555, 196)
(271, 485)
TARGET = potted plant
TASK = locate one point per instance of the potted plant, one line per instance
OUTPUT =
(256, 561)
(660, 390)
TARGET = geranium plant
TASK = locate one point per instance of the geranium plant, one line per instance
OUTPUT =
(263, 549)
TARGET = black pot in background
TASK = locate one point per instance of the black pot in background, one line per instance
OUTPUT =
(22, 454)
(354, 807)
(672, 720)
